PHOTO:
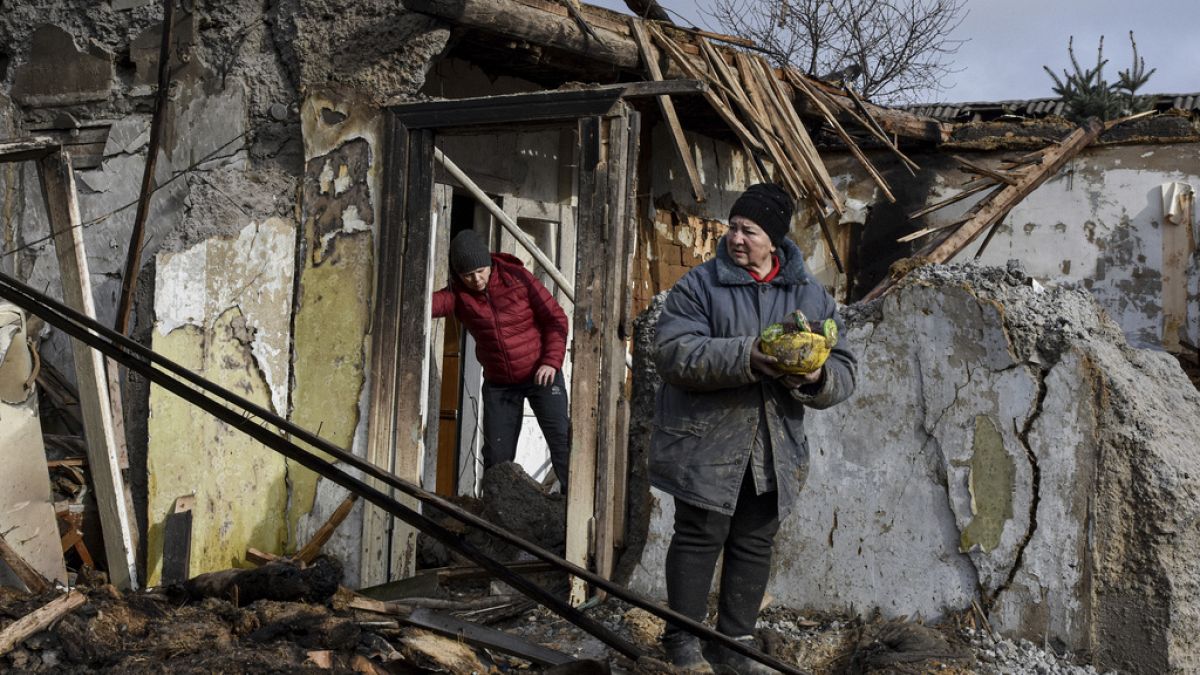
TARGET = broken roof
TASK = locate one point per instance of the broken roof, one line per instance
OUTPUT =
(987, 111)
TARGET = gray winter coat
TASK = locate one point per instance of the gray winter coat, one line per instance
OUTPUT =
(709, 405)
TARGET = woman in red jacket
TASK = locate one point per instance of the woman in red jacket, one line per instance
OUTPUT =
(520, 340)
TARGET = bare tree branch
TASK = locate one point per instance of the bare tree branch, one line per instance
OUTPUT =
(890, 50)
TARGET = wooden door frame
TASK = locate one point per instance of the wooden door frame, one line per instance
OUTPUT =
(396, 419)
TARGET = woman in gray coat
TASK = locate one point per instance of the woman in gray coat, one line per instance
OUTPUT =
(729, 440)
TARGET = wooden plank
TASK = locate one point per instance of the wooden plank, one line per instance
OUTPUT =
(34, 582)
(58, 191)
(258, 557)
(1011, 195)
(998, 176)
(628, 263)
(849, 142)
(586, 346)
(782, 102)
(970, 213)
(33, 147)
(177, 542)
(650, 58)
(412, 364)
(728, 87)
(847, 108)
(689, 87)
(385, 329)
(800, 184)
(887, 120)
(433, 469)
(487, 638)
(620, 169)
(747, 137)
(39, 620)
(947, 202)
(312, 549)
(861, 107)
(535, 107)
(133, 259)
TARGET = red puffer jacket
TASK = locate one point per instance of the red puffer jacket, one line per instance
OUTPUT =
(516, 323)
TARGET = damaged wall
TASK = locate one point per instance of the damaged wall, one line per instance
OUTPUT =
(1098, 223)
(228, 181)
(370, 53)
(1033, 461)
(333, 298)
(222, 310)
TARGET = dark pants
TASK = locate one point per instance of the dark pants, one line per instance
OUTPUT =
(503, 410)
(746, 538)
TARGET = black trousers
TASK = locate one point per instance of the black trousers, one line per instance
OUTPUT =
(503, 410)
(746, 538)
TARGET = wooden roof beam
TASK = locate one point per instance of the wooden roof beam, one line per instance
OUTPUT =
(542, 24)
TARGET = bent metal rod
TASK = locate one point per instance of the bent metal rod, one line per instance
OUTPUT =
(139, 359)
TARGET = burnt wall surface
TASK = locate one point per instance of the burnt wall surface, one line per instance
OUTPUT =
(226, 219)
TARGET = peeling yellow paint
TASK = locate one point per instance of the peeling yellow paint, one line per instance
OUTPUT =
(240, 486)
(329, 334)
(991, 482)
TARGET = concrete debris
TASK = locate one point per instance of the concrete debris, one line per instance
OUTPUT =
(1002, 656)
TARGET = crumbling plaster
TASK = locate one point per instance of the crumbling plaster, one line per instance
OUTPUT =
(341, 207)
(1097, 223)
(233, 154)
(222, 310)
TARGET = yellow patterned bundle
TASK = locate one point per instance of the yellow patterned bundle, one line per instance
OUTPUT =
(799, 348)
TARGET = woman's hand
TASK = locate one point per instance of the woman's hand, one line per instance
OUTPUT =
(764, 363)
(544, 375)
(797, 381)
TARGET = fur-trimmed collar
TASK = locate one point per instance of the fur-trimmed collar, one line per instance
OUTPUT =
(791, 266)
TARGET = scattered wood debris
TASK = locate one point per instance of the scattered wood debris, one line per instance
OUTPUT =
(1009, 188)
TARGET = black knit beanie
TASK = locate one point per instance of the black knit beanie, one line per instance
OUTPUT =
(769, 207)
(468, 252)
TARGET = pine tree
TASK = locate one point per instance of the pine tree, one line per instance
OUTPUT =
(1086, 93)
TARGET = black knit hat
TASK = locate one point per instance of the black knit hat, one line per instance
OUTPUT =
(468, 252)
(769, 207)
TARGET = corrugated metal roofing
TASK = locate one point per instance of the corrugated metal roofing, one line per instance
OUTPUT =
(1035, 107)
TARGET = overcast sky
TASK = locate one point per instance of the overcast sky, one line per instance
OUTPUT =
(1009, 41)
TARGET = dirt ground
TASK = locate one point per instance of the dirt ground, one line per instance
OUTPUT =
(157, 631)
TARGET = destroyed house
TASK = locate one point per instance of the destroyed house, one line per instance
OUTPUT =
(308, 168)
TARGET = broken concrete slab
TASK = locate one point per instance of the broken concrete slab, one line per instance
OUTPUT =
(1005, 445)
(57, 73)
(26, 503)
